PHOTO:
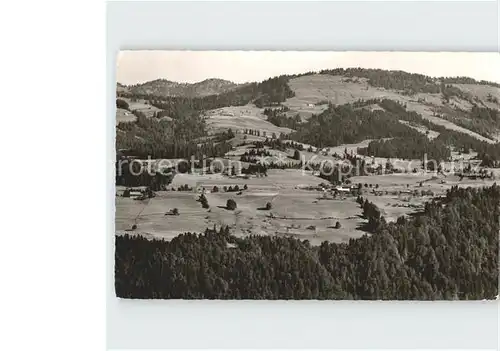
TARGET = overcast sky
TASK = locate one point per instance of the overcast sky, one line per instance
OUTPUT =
(248, 66)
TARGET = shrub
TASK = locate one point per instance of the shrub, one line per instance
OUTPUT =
(245, 187)
(215, 189)
(269, 206)
(175, 211)
(231, 204)
(337, 225)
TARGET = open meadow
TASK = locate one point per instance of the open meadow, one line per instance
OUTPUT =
(295, 211)
(339, 184)
(239, 118)
(299, 208)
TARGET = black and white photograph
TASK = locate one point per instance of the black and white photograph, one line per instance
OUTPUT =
(282, 175)
(251, 175)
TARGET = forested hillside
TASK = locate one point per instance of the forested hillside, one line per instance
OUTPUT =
(450, 251)
(178, 136)
(409, 83)
(178, 100)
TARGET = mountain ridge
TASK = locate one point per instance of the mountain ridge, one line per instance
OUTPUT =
(348, 72)
(165, 87)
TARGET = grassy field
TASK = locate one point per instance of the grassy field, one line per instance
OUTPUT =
(482, 92)
(305, 214)
(239, 118)
(141, 105)
(431, 134)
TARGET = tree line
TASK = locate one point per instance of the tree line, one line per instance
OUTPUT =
(170, 139)
(278, 117)
(408, 148)
(344, 124)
